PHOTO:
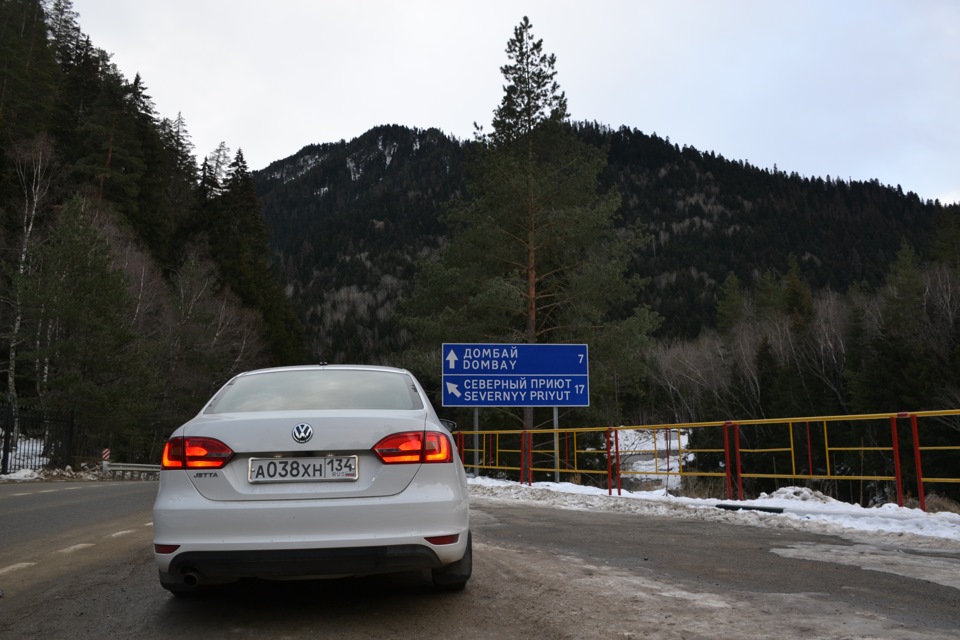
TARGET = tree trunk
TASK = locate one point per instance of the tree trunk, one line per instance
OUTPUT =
(32, 163)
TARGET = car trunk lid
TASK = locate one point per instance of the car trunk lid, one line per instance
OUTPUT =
(339, 439)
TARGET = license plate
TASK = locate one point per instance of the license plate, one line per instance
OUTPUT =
(332, 468)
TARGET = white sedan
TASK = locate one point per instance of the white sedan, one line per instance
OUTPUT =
(311, 472)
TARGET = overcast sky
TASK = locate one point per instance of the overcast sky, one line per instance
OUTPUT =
(853, 89)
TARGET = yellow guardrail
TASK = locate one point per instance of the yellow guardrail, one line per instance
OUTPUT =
(879, 448)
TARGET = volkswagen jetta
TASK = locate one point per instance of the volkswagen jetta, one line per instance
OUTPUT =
(311, 472)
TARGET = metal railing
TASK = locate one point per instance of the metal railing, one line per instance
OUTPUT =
(33, 438)
(896, 450)
(130, 471)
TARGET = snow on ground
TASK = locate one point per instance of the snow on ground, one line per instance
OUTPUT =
(654, 455)
(801, 508)
(24, 475)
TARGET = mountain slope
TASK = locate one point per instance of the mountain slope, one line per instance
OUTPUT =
(349, 220)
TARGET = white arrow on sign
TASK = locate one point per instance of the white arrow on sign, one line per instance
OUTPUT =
(452, 360)
(452, 388)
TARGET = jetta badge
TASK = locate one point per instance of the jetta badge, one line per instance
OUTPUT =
(302, 432)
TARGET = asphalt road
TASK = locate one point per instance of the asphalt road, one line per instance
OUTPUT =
(76, 561)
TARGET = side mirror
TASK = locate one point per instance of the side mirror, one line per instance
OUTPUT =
(449, 424)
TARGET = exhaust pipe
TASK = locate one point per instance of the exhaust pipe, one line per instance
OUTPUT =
(191, 578)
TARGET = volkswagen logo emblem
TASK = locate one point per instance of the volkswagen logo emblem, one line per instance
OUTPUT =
(302, 432)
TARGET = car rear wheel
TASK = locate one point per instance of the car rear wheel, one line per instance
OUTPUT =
(453, 577)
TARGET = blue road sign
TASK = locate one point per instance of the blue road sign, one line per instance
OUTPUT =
(515, 375)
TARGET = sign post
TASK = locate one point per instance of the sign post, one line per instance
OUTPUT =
(516, 375)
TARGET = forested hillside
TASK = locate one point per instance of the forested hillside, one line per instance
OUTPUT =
(348, 222)
(133, 280)
(771, 286)
(710, 217)
(348, 214)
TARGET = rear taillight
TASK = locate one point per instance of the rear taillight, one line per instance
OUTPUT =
(170, 548)
(195, 453)
(414, 447)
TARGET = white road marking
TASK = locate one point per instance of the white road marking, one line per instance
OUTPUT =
(120, 533)
(36, 491)
(15, 567)
(76, 547)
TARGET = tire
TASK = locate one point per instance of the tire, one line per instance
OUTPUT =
(454, 576)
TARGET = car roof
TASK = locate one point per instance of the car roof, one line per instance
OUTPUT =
(321, 367)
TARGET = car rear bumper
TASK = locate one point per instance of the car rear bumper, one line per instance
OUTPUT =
(293, 563)
(308, 537)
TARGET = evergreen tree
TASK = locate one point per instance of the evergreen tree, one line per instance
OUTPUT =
(172, 190)
(217, 169)
(28, 71)
(240, 245)
(894, 372)
(64, 29)
(535, 254)
(946, 241)
(731, 307)
(238, 235)
(85, 354)
(796, 297)
(80, 66)
(111, 157)
(532, 96)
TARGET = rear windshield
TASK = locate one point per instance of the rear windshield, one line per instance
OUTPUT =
(317, 389)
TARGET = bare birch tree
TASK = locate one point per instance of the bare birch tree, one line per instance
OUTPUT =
(34, 164)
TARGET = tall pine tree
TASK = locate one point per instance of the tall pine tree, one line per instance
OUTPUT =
(240, 244)
(535, 254)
